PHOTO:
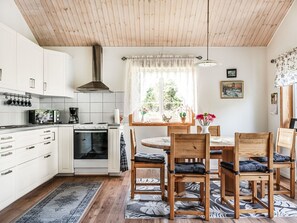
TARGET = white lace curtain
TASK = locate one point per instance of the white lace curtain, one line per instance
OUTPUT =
(286, 66)
(144, 68)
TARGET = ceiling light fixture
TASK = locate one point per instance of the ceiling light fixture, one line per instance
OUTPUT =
(207, 62)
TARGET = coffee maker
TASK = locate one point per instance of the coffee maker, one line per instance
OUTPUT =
(73, 118)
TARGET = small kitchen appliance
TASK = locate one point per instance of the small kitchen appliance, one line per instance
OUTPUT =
(43, 116)
(73, 118)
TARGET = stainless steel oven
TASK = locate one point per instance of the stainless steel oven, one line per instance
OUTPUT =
(91, 149)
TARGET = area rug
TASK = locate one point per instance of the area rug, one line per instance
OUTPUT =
(151, 206)
(67, 203)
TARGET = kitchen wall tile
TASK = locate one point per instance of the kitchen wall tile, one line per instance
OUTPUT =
(120, 106)
(108, 97)
(45, 105)
(108, 117)
(96, 117)
(58, 106)
(84, 117)
(109, 107)
(96, 97)
(119, 96)
(33, 99)
(70, 104)
(96, 107)
(83, 107)
(57, 99)
(83, 97)
(45, 100)
(74, 99)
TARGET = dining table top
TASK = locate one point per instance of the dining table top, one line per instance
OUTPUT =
(216, 142)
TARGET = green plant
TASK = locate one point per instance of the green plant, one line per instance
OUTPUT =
(182, 114)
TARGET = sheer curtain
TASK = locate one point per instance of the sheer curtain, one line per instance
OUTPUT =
(149, 70)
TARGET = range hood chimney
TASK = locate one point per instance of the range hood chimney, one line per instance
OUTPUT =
(96, 84)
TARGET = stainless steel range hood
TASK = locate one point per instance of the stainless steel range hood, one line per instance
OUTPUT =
(96, 84)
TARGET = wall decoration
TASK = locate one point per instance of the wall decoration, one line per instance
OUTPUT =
(274, 104)
(232, 89)
(231, 73)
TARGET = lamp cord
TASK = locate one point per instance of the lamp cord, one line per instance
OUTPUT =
(207, 36)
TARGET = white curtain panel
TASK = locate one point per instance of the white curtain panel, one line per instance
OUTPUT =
(147, 70)
(286, 66)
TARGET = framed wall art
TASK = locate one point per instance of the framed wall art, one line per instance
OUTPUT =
(231, 73)
(232, 89)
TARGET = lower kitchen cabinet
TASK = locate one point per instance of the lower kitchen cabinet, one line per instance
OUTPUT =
(47, 167)
(65, 138)
(114, 146)
(7, 182)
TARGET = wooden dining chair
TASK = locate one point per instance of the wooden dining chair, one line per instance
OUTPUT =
(185, 146)
(181, 129)
(286, 140)
(246, 146)
(145, 160)
(214, 130)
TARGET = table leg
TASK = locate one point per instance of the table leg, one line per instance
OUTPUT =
(228, 157)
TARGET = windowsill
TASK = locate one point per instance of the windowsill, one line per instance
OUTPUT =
(160, 124)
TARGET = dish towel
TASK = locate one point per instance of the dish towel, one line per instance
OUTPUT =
(123, 161)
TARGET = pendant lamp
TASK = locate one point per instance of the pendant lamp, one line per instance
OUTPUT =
(207, 62)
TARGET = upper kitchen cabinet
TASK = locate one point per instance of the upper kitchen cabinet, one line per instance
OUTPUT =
(29, 66)
(57, 74)
(8, 38)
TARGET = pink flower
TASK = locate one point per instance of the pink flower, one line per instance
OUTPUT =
(205, 119)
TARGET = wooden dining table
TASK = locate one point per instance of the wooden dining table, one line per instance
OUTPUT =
(226, 144)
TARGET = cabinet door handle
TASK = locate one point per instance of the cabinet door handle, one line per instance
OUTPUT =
(47, 156)
(6, 154)
(44, 86)
(46, 143)
(6, 138)
(8, 172)
(46, 131)
(0, 74)
(46, 138)
(31, 147)
(6, 147)
(31, 83)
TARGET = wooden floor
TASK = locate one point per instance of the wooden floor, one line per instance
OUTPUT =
(109, 204)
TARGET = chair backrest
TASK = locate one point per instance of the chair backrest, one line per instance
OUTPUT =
(189, 146)
(286, 139)
(133, 143)
(181, 129)
(253, 145)
(214, 130)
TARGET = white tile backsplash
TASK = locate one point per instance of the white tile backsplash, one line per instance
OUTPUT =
(109, 97)
(95, 107)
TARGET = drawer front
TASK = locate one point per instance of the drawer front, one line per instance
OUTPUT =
(7, 138)
(46, 138)
(7, 159)
(27, 138)
(4, 147)
(7, 192)
(27, 153)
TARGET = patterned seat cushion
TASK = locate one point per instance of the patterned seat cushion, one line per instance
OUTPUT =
(216, 152)
(246, 166)
(197, 168)
(276, 158)
(149, 158)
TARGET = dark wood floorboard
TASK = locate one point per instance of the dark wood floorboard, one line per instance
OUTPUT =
(109, 204)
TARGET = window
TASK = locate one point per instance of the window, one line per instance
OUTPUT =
(155, 89)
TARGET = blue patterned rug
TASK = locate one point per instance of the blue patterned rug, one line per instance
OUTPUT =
(151, 206)
(67, 203)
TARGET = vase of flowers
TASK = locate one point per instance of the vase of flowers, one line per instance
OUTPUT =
(143, 111)
(204, 120)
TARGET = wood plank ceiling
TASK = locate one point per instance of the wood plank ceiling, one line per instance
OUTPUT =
(153, 22)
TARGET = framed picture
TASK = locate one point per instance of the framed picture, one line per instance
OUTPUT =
(232, 89)
(231, 73)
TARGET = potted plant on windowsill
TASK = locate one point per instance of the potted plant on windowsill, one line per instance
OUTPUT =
(183, 116)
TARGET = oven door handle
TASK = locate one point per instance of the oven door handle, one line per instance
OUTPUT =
(90, 131)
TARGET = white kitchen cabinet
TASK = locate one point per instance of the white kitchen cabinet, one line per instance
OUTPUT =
(7, 192)
(114, 138)
(65, 139)
(47, 168)
(69, 76)
(29, 66)
(8, 74)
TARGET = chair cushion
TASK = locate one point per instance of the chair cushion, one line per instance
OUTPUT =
(276, 158)
(197, 168)
(149, 158)
(246, 166)
(215, 152)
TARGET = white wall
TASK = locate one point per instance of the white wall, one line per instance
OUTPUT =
(12, 17)
(285, 39)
